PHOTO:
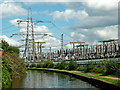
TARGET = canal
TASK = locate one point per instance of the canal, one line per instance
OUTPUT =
(47, 79)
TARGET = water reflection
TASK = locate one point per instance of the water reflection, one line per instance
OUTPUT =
(47, 79)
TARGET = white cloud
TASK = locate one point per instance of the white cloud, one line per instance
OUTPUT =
(69, 46)
(10, 41)
(102, 4)
(110, 32)
(68, 14)
(92, 13)
(72, 34)
(9, 9)
(15, 23)
(50, 40)
(96, 34)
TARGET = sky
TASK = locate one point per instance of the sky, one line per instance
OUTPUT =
(89, 21)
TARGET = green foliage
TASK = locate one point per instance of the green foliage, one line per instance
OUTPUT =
(66, 67)
(72, 65)
(63, 64)
(57, 66)
(40, 65)
(33, 65)
(80, 68)
(27, 65)
(6, 79)
(89, 66)
(7, 48)
(48, 64)
(106, 67)
(13, 49)
(98, 69)
(5, 45)
(13, 66)
(111, 67)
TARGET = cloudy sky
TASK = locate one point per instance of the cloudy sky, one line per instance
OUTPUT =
(89, 21)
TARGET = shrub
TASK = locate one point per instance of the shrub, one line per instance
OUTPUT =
(6, 79)
(14, 64)
(33, 65)
(27, 65)
(12, 49)
(73, 65)
(80, 68)
(89, 66)
(99, 68)
(57, 66)
(66, 67)
(62, 65)
(111, 67)
(48, 64)
(40, 65)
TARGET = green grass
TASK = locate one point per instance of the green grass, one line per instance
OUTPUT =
(106, 80)
(112, 76)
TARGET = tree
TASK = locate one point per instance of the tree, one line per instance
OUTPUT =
(5, 45)
(13, 49)
(7, 48)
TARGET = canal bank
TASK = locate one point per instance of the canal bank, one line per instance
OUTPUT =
(100, 82)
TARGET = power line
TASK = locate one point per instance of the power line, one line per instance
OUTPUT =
(5, 28)
(63, 31)
(9, 32)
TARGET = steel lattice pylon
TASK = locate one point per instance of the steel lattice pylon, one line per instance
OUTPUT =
(29, 52)
(29, 37)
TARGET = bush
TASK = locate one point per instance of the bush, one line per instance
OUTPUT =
(48, 64)
(89, 66)
(72, 65)
(111, 67)
(66, 67)
(40, 65)
(14, 64)
(27, 65)
(6, 79)
(80, 68)
(63, 64)
(57, 66)
(33, 65)
(12, 49)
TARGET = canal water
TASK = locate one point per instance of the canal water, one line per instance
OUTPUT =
(47, 79)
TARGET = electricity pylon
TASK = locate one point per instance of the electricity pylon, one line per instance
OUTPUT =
(30, 47)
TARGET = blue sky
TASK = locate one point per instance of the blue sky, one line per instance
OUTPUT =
(78, 21)
(41, 8)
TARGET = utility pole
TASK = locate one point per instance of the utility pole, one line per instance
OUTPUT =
(62, 45)
(30, 34)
